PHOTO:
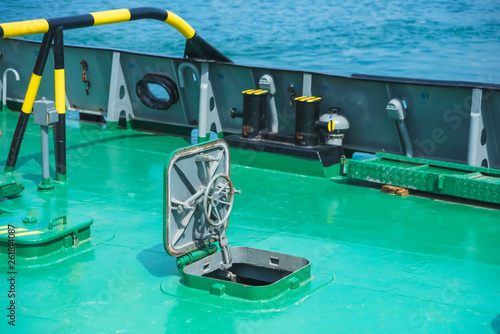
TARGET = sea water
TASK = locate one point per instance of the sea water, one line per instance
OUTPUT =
(438, 39)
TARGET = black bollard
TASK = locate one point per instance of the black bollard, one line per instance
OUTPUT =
(306, 114)
(254, 112)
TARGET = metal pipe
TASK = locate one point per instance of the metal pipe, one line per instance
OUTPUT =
(203, 131)
(46, 183)
(44, 134)
(274, 114)
(396, 110)
(406, 138)
(266, 82)
(4, 89)
(33, 86)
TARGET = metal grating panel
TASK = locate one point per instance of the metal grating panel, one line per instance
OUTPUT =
(477, 183)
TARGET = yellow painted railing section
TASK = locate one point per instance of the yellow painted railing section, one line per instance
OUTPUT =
(31, 93)
(41, 26)
(182, 26)
(111, 16)
(60, 93)
(24, 28)
(53, 30)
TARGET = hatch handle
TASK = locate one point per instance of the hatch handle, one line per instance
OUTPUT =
(64, 219)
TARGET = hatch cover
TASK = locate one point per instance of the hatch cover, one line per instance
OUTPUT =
(37, 235)
(198, 197)
(198, 200)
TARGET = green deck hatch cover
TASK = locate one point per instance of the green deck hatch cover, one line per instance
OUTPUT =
(37, 235)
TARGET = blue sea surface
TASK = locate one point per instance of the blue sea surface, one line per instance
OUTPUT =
(439, 39)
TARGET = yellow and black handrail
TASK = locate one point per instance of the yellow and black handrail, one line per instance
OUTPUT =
(196, 47)
(53, 29)
(41, 26)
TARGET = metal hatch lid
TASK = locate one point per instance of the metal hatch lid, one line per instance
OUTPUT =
(198, 197)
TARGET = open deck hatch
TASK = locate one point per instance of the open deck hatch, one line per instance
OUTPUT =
(198, 198)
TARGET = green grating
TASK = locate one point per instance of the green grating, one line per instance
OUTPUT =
(444, 178)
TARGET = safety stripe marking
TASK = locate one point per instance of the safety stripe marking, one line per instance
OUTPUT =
(28, 233)
(312, 99)
(31, 93)
(23, 28)
(39, 26)
(111, 16)
(254, 91)
(60, 92)
(331, 126)
(307, 98)
(16, 230)
(182, 26)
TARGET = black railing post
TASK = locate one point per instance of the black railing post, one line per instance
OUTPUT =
(60, 97)
(27, 107)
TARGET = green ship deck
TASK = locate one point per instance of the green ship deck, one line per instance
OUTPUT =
(380, 263)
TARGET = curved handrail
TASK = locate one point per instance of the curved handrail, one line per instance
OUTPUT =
(41, 26)
(196, 47)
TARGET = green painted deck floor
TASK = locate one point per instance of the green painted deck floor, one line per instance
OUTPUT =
(381, 263)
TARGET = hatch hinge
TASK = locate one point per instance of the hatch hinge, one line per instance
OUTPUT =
(11, 188)
(196, 255)
(227, 257)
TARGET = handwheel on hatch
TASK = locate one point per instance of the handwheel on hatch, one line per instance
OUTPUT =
(218, 200)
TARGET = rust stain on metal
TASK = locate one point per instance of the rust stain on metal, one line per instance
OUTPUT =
(395, 190)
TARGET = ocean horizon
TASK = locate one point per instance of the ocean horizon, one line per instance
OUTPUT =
(440, 40)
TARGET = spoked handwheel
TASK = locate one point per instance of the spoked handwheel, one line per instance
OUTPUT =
(218, 200)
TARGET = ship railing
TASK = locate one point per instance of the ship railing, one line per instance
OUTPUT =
(196, 47)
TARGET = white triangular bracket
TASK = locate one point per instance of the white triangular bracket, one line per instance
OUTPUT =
(208, 113)
(119, 98)
(477, 154)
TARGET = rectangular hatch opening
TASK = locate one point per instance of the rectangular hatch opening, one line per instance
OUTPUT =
(251, 275)
(254, 274)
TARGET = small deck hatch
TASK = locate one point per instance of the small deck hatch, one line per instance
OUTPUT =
(40, 238)
(198, 198)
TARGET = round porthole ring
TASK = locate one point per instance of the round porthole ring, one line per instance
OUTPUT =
(152, 101)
